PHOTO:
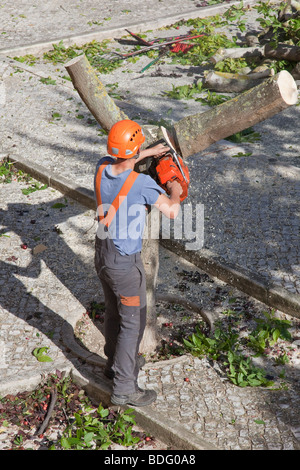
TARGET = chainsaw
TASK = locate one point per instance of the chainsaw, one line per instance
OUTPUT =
(169, 167)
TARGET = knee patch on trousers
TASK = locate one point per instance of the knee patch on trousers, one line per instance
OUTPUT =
(130, 301)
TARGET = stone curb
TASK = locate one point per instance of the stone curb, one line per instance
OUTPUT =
(29, 381)
(247, 282)
(163, 428)
(109, 33)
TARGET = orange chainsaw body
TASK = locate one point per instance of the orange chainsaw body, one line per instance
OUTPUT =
(167, 170)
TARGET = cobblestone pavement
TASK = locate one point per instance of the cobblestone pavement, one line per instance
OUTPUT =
(24, 23)
(46, 290)
(251, 233)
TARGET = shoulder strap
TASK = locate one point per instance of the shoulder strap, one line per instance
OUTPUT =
(127, 185)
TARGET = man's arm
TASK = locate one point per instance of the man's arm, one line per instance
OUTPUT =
(156, 151)
(169, 206)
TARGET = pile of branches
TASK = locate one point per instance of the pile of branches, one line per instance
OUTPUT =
(276, 46)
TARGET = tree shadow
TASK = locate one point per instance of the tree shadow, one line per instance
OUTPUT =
(229, 188)
(59, 282)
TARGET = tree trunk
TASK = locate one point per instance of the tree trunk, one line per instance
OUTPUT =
(150, 257)
(233, 82)
(193, 134)
(93, 92)
(236, 53)
(296, 72)
(281, 52)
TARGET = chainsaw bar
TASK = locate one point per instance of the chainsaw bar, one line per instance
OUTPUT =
(170, 143)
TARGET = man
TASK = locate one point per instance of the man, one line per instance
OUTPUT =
(121, 193)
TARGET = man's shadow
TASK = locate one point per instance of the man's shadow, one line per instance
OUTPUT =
(75, 272)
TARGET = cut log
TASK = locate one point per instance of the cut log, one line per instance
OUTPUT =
(233, 82)
(150, 257)
(251, 38)
(237, 53)
(281, 52)
(296, 72)
(193, 134)
(93, 92)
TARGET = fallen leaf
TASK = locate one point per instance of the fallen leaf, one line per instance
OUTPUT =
(39, 249)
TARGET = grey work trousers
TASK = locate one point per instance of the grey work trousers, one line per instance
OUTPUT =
(124, 286)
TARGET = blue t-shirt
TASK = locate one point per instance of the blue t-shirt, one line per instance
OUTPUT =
(127, 228)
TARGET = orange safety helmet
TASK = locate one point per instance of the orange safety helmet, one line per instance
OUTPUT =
(124, 139)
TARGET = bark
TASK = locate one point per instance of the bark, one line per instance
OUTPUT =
(296, 72)
(193, 134)
(251, 38)
(150, 257)
(233, 82)
(237, 53)
(93, 92)
(281, 52)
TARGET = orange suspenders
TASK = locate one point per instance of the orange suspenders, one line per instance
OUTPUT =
(118, 199)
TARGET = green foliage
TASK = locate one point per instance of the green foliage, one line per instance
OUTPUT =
(243, 373)
(58, 205)
(213, 99)
(283, 31)
(48, 81)
(94, 51)
(34, 187)
(268, 331)
(84, 426)
(39, 354)
(224, 346)
(5, 172)
(184, 92)
(246, 135)
(231, 65)
(95, 429)
(96, 310)
(188, 92)
(28, 59)
(204, 48)
(201, 345)
(234, 15)
(8, 172)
